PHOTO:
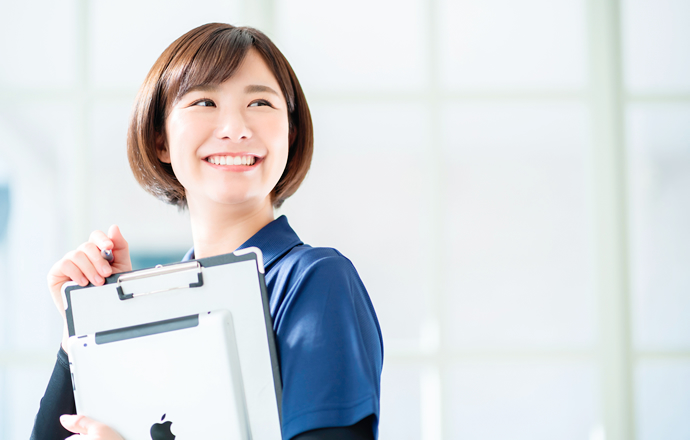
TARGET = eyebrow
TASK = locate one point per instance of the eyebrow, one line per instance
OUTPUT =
(203, 88)
(256, 88)
(252, 88)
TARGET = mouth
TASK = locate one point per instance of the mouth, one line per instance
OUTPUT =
(241, 160)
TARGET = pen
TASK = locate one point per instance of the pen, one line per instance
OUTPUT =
(107, 255)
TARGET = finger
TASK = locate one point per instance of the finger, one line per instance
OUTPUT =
(57, 276)
(94, 253)
(101, 240)
(84, 264)
(71, 272)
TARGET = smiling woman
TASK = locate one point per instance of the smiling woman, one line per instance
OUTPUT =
(221, 126)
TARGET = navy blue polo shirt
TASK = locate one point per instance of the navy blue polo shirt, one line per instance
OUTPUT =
(328, 336)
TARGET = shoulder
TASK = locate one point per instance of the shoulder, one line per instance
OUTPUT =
(306, 265)
(318, 281)
(305, 257)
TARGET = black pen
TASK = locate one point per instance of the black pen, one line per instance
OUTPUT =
(107, 255)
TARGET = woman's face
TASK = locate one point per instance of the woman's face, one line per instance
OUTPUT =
(228, 143)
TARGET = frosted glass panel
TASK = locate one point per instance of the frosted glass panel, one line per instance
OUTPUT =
(655, 43)
(116, 198)
(370, 126)
(517, 227)
(49, 133)
(364, 196)
(3, 403)
(128, 36)
(662, 399)
(5, 311)
(659, 174)
(531, 400)
(400, 403)
(38, 44)
(359, 45)
(32, 236)
(24, 387)
(504, 44)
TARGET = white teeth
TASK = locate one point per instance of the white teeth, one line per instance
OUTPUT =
(230, 160)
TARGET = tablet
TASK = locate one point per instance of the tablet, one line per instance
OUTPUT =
(178, 377)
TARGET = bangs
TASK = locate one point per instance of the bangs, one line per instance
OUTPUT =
(207, 61)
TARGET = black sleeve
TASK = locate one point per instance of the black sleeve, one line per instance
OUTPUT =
(57, 400)
(362, 430)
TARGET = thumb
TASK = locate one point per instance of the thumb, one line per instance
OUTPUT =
(122, 261)
(119, 242)
(75, 423)
(85, 426)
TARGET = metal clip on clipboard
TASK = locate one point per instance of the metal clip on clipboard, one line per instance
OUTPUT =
(156, 271)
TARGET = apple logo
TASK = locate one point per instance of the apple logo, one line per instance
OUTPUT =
(161, 431)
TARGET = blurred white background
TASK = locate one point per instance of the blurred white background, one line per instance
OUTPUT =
(510, 177)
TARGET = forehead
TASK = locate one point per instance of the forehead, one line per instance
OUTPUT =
(253, 69)
(251, 72)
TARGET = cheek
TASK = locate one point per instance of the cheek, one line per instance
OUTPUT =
(281, 151)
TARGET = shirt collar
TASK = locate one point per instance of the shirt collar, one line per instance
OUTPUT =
(275, 240)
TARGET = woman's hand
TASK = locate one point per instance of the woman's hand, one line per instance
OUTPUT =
(87, 429)
(85, 264)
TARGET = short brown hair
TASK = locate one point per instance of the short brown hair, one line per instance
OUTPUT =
(208, 55)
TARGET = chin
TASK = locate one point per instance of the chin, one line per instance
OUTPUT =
(236, 198)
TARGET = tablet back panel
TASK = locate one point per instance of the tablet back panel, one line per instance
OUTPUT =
(181, 374)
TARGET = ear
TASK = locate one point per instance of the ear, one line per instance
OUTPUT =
(162, 148)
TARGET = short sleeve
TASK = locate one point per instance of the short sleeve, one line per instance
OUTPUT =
(330, 346)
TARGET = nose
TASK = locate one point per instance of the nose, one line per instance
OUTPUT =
(232, 125)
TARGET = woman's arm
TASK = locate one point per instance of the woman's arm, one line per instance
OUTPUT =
(361, 430)
(58, 400)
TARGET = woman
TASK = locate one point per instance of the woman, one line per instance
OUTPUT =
(221, 126)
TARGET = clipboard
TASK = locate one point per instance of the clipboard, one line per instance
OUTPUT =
(233, 282)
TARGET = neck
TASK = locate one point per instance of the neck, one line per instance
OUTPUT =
(220, 229)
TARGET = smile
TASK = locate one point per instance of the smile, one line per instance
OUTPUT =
(231, 160)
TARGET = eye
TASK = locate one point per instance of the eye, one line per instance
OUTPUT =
(204, 102)
(260, 102)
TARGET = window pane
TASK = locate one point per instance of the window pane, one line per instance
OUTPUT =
(655, 43)
(24, 387)
(528, 400)
(516, 224)
(659, 174)
(127, 36)
(359, 45)
(31, 320)
(504, 44)
(400, 402)
(38, 44)
(662, 402)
